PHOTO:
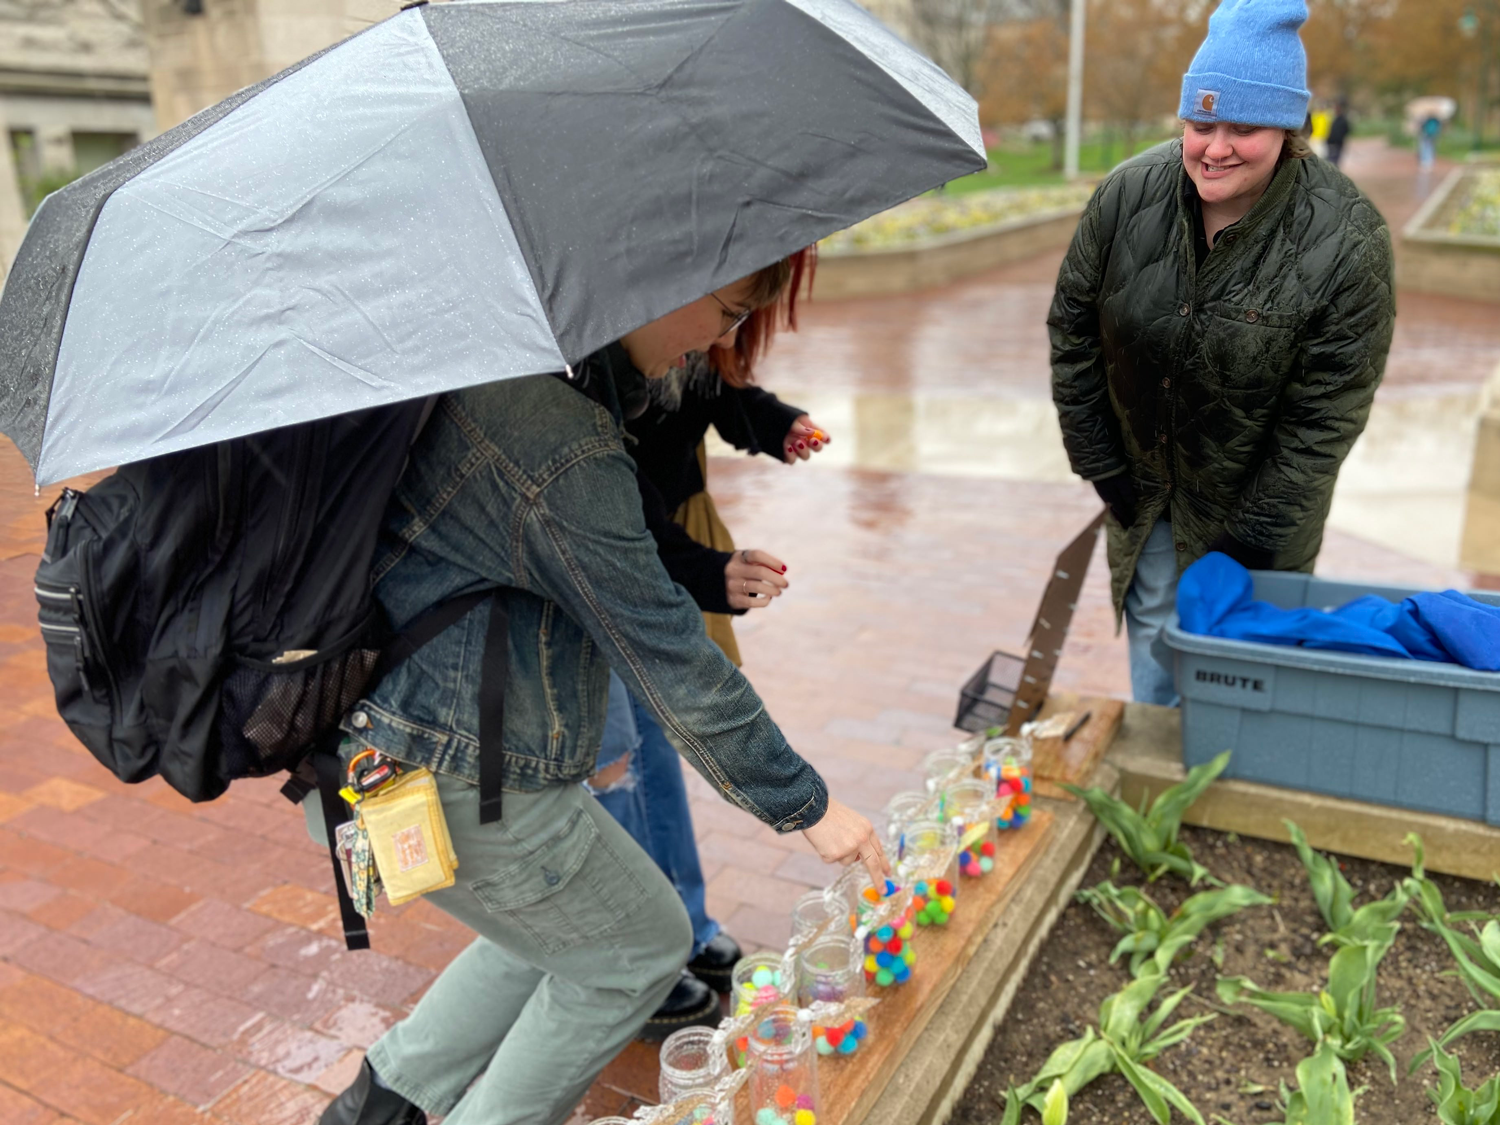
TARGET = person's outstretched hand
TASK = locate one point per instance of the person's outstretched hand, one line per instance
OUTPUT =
(843, 836)
(804, 439)
(753, 578)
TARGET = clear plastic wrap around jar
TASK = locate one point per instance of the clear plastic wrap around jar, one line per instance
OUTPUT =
(1007, 762)
(784, 1079)
(690, 1063)
(900, 811)
(933, 882)
(889, 956)
(815, 907)
(969, 812)
(757, 980)
(831, 971)
(943, 766)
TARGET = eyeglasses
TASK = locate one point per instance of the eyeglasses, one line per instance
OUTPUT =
(736, 318)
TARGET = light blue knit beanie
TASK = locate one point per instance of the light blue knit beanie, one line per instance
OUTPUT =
(1251, 69)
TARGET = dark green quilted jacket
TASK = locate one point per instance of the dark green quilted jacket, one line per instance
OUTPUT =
(1232, 393)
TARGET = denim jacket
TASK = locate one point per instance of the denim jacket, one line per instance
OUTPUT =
(527, 483)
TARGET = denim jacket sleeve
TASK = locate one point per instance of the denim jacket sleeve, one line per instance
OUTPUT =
(585, 546)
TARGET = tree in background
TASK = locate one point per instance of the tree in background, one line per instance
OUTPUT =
(954, 34)
(1137, 52)
(1387, 51)
(1379, 53)
(1025, 75)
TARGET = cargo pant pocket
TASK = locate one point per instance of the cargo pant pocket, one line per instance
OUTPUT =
(569, 890)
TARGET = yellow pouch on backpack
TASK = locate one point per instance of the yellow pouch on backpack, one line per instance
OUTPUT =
(409, 836)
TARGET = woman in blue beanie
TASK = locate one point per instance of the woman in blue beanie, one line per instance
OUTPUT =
(1220, 324)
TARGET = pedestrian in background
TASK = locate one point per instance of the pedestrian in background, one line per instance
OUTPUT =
(1427, 139)
(1338, 132)
(1219, 327)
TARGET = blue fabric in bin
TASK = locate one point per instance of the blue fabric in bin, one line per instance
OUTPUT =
(1215, 598)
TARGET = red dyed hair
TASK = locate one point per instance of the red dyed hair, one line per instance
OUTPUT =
(773, 296)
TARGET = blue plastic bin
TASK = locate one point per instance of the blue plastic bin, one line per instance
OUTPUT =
(1407, 733)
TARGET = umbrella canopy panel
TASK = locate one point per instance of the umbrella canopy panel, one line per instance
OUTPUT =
(273, 270)
(463, 193)
(657, 158)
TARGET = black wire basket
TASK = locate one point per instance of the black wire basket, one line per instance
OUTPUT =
(985, 701)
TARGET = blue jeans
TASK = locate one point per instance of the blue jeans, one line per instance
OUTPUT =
(651, 802)
(1148, 607)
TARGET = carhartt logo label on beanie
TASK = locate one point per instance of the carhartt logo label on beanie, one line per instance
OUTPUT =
(1251, 69)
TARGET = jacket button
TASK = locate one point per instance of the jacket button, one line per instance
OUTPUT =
(1251, 315)
(1166, 383)
(1182, 546)
(359, 720)
(1184, 308)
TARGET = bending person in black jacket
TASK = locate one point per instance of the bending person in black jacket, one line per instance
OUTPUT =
(639, 780)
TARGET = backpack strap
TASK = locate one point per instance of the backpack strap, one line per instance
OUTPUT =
(493, 676)
(325, 762)
(494, 673)
(322, 768)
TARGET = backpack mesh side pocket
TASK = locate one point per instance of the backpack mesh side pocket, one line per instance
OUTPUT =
(270, 713)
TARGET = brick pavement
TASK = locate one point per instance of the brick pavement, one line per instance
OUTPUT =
(166, 963)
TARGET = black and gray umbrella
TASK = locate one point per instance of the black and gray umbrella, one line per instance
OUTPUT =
(462, 193)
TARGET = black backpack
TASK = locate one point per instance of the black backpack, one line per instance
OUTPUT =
(208, 613)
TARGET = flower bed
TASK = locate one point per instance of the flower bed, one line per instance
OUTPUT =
(1478, 211)
(1452, 244)
(939, 239)
(938, 214)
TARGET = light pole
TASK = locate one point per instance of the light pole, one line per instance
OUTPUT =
(1074, 126)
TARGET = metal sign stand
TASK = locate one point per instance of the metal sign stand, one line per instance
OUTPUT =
(1050, 628)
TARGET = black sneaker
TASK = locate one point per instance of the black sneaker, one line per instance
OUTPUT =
(367, 1103)
(715, 964)
(691, 1003)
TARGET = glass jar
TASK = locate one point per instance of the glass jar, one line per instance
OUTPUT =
(690, 1064)
(816, 907)
(831, 971)
(784, 1079)
(968, 811)
(1007, 762)
(889, 956)
(900, 811)
(933, 882)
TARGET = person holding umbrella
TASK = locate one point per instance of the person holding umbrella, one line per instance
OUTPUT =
(582, 937)
(1220, 324)
(639, 779)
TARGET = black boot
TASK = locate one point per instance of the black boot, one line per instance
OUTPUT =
(715, 964)
(367, 1103)
(691, 1003)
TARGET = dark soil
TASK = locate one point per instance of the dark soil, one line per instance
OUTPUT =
(1232, 1066)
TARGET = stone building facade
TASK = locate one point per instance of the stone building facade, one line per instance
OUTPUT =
(74, 94)
(199, 58)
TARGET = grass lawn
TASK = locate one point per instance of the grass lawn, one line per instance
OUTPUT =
(1029, 164)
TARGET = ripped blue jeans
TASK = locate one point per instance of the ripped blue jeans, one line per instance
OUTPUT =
(650, 802)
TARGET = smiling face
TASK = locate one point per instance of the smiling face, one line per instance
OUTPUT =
(663, 344)
(1228, 161)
